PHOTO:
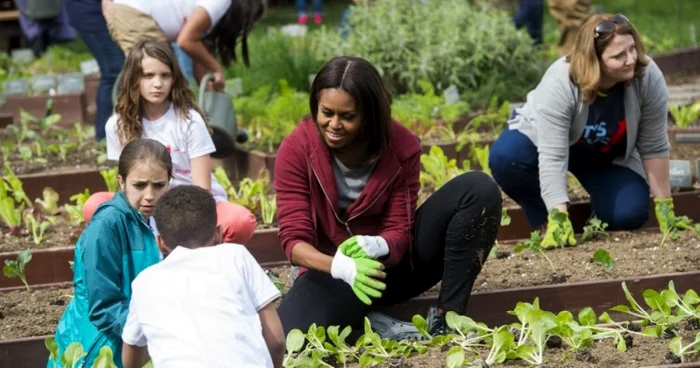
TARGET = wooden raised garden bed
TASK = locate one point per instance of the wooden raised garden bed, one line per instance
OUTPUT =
(71, 106)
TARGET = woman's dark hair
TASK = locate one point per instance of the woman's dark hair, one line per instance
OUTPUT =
(143, 149)
(361, 80)
(237, 22)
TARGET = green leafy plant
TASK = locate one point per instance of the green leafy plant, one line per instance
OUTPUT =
(268, 209)
(14, 185)
(15, 268)
(655, 322)
(682, 351)
(448, 42)
(49, 201)
(674, 224)
(594, 229)
(10, 211)
(603, 258)
(36, 227)
(110, 178)
(683, 116)
(534, 244)
(437, 168)
(75, 211)
(686, 307)
(268, 125)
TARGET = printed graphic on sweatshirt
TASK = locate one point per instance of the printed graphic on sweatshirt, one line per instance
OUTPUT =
(606, 129)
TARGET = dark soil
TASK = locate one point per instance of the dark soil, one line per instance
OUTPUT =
(80, 157)
(34, 313)
(635, 254)
(58, 235)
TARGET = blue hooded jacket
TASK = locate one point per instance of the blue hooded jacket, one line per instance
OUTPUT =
(115, 247)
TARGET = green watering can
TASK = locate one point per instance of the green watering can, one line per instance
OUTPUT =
(222, 118)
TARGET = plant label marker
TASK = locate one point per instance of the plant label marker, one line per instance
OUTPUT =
(681, 174)
(16, 87)
(451, 94)
(43, 83)
(234, 86)
(22, 56)
(687, 137)
(89, 67)
(71, 83)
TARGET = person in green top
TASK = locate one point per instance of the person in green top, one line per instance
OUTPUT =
(117, 244)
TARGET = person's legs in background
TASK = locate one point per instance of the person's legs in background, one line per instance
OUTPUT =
(110, 59)
(317, 8)
(237, 222)
(95, 200)
(513, 161)
(530, 14)
(619, 196)
(302, 17)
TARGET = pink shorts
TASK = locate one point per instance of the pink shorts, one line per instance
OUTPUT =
(237, 222)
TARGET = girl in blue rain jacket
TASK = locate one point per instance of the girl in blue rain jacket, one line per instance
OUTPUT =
(116, 245)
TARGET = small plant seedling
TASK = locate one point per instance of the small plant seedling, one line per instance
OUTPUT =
(268, 209)
(594, 229)
(505, 218)
(275, 280)
(603, 258)
(110, 178)
(674, 224)
(15, 268)
(682, 351)
(534, 244)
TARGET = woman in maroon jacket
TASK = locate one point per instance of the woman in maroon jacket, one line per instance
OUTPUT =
(347, 185)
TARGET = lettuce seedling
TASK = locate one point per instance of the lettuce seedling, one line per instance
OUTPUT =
(604, 258)
(686, 307)
(105, 358)
(674, 224)
(36, 227)
(541, 323)
(268, 209)
(110, 178)
(73, 354)
(577, 335)
(594, 229)
(534, 244)
(49, 201)
(682, 351)
(75, 212)
(15, 268)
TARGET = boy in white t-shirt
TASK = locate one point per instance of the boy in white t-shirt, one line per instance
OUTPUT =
(204, 305)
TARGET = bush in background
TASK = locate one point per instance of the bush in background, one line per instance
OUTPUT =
(473, 46)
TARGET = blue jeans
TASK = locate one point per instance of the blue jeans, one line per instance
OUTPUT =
(185, 63)
(110, 59)
(619, 196)
(531, 15)
(316, 6)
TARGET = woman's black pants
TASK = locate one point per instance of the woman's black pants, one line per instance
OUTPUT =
(454, 231)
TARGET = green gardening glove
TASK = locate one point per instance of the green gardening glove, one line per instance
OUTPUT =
(560, 232)
(362, 246)
(361, 273)
(665, 216)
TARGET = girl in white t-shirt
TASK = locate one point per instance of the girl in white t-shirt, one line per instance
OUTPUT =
(155, 102)
(197, 26)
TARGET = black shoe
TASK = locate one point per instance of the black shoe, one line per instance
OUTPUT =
(436, 323)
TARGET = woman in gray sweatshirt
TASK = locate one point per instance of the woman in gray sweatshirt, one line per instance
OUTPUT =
(600, 112)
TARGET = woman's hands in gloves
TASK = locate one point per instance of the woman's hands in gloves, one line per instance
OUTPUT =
(560, 232)
(354, 262)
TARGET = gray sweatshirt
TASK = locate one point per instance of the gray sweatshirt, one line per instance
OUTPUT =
(554, 117)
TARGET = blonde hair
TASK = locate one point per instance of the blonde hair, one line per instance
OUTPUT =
(584, 57)
(130, 104)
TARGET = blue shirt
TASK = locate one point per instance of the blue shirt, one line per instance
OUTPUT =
(605, 135)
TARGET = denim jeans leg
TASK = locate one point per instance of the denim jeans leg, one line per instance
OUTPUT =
(301, 6)
(110, 59)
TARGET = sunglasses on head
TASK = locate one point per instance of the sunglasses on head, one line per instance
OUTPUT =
(607, 26)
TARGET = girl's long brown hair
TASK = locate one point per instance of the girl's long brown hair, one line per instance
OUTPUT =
(130, 105)
(586, 69)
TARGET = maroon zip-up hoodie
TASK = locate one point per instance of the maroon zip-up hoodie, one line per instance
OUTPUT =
(307, 197)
